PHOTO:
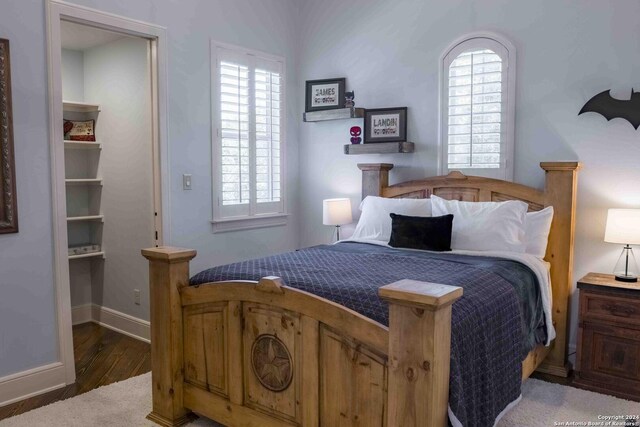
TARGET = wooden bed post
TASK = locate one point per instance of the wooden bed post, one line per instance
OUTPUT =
(419, 352)
(375, 176)
(561, 180)
(168, 273)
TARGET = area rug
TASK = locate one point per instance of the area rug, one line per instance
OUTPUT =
(126, 403)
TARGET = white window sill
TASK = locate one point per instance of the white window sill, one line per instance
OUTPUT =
(247, 223)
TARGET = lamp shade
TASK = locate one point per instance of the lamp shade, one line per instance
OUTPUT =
(623, 226)
(336, 211)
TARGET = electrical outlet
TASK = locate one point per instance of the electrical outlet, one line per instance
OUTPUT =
(136, 296)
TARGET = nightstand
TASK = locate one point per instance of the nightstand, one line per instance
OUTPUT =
(608, 353)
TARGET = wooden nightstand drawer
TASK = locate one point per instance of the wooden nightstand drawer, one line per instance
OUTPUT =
(611, 356)
(608, 351)
(610, 307)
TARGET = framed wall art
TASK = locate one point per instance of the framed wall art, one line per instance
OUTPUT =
(79, 130)
(325, 94)
(385, 125)
(8, 203)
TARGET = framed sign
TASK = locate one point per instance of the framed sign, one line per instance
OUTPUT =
(325, 94)
(8, 203)
(385, 125)
(83, 130)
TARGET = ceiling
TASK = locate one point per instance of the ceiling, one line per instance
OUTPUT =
(81, 37)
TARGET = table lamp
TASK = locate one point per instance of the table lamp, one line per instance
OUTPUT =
(336, 212)
(623, 227)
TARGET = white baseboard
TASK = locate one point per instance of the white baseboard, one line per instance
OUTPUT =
(26, 384)
(123, 323)
(81, 314)
(112, 319)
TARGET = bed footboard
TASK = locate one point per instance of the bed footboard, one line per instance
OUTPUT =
(168, 274)
(419, 351)
(263, 354)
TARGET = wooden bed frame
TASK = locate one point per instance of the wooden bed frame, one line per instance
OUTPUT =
(262, 354)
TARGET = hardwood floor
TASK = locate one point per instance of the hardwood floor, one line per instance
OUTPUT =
(102, 357)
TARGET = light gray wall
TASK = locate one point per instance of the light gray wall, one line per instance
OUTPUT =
(27, 311)
(266, 25)
(567, 52)
(72, 75)
(28, 331)
(117, 76)
(80, 282)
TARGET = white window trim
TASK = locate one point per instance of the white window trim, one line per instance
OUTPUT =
(463, 43)
(248, 223)
(220, 223)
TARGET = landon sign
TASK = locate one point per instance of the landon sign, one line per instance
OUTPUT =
(385, 125)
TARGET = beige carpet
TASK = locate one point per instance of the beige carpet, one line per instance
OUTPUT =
(125, 404)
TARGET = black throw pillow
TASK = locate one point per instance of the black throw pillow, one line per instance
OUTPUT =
(415, 232)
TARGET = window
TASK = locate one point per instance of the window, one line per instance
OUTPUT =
(477, 111)
(248, 112)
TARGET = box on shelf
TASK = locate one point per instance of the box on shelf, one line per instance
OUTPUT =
(84, 249)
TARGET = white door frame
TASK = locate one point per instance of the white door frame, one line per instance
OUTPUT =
(58, 11)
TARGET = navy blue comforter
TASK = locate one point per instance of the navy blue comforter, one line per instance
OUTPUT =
(495, 324)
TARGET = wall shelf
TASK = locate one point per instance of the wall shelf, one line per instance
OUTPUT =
(81, 145)
(337, 114)
(86, 218)
(100, 254)
(80, 107)
(380, 148)
(89, 181)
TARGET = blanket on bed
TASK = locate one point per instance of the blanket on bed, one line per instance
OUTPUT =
(494, 325)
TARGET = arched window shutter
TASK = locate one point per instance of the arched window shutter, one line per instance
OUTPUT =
(477, 111)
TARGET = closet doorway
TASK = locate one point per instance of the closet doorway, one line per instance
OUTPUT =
(108, 146)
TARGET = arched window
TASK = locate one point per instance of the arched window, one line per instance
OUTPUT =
(477, 110)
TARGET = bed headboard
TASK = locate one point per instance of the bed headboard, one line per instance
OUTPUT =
(559, 192)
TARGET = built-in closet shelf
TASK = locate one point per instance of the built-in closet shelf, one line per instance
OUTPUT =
(82, 145)
(336, 114)
(86, 218)
(90, 255)
(90, 181)
(380, 148)
(80, 107)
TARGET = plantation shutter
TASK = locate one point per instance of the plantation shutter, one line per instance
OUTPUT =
(268, 108)
(475, 110)
(477, 120)
(249, 135)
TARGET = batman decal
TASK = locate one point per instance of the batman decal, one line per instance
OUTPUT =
(610, 107)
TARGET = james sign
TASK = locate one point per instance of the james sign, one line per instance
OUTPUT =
(325, 94)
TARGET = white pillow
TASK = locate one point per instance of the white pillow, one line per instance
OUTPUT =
(375, 222)
(537, 228)
(485, 226)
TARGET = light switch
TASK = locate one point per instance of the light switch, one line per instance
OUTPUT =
(186, 181)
